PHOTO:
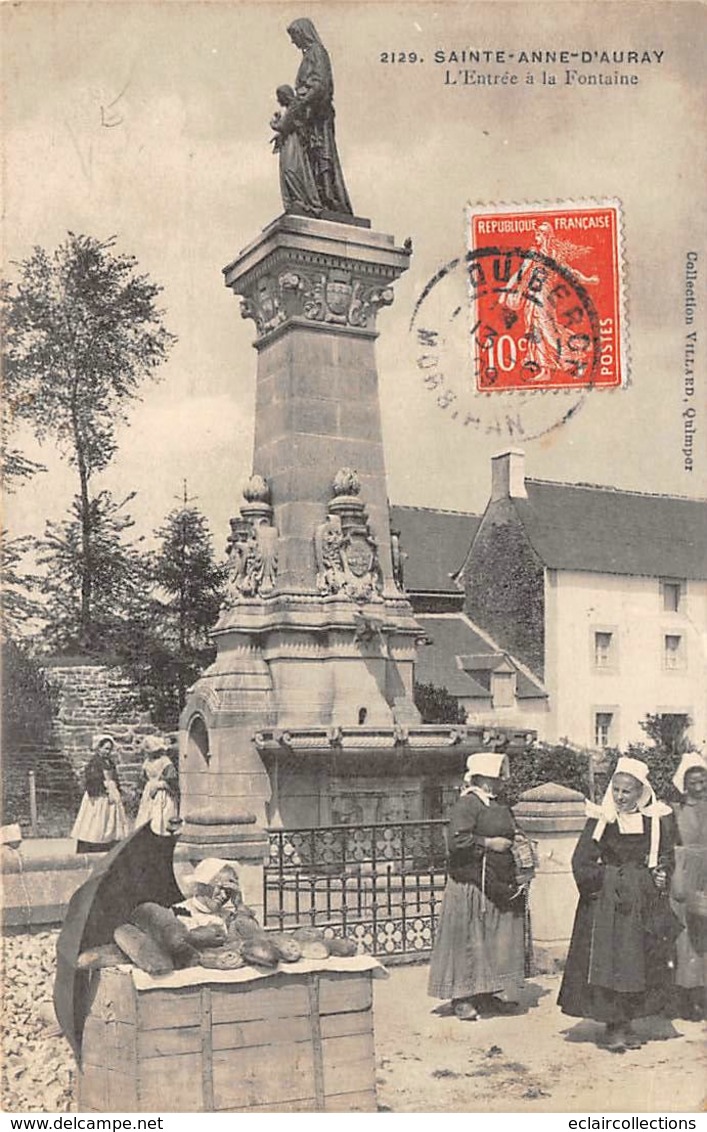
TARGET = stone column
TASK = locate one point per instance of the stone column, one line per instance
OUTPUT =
(313, 289)
(553, 817)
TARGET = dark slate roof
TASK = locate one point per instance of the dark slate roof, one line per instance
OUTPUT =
(482, 662)
(436, 544)
(453, 635)
(608, 531)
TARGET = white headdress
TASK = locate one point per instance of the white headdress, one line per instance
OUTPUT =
(691, 760)
(647, 805)
(492, 764)
(98, 739)
(154, 744)
(208, 870)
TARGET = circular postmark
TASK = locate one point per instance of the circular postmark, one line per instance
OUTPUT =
(508, 341)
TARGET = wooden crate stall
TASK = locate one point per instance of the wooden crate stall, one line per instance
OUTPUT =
(287, 1043)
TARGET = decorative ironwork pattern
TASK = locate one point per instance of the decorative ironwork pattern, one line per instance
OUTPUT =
(379, 885)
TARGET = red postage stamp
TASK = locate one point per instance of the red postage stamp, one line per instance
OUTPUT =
(546, 291)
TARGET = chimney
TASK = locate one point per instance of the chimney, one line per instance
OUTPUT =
(508, 475)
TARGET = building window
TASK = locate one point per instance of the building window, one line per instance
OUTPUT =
(603, 649)
(673, 651)
(503, 689)
(672, 596)
(603, 728)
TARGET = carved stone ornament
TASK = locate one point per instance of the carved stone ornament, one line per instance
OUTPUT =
(334, 295)
(346, 482)
(251, 547)
(346, 553)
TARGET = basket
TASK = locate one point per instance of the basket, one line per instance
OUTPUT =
(524, 854)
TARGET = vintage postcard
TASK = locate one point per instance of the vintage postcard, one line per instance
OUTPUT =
(434, 483)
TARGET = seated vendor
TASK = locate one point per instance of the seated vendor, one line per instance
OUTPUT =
(216, 894)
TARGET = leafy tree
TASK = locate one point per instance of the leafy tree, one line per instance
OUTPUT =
(118, 569)
(436, 705)
(171, 647)
(545, 762)
(19, 605)
(668, 732)
(16, 467)
(669, 741)
(29, 703)
(28, 699)
(82, 332)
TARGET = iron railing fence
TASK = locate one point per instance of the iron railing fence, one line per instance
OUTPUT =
(380, 885)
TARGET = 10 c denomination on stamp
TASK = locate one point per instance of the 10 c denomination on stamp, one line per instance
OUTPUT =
(546, 290)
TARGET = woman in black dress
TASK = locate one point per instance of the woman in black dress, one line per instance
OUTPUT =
(621, 953)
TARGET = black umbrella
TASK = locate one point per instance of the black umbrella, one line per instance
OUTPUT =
(138, 870)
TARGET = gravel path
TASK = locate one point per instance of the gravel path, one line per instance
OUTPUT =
(38, 1069)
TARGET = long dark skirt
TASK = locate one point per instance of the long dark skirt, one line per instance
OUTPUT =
(478, 949)
(603, 1001)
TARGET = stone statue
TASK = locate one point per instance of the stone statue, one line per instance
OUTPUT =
(345, 550)
(312, 111)
(297, 187)
(252, 547)
(328, 548)
(266, 537)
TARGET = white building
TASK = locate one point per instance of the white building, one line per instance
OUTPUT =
(594, 601)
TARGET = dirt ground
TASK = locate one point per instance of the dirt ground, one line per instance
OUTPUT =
(427, 1061)
(535, 1061)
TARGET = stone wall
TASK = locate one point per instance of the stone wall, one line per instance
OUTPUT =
(94, 698)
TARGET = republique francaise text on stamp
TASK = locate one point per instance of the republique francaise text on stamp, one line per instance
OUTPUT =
(545, 285)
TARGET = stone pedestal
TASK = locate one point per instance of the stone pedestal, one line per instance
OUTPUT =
(553, 817)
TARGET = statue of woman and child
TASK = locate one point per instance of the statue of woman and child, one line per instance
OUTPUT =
(311, 180)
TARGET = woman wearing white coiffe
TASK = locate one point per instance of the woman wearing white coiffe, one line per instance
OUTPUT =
(479, 949)
(621, 954)
(689, 887)
(215, 886)
(159, 804)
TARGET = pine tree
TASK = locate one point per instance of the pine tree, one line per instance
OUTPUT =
(172, 647)
(119, 571)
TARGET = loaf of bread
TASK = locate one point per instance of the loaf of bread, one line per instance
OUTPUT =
(308, 935)
(314, 949)
(342, 948)
(288, 949)
(143, 950)
(207, 935)
(260, 952)
(221, 959)
(107, 955)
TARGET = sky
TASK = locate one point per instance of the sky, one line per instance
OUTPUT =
(150, 121)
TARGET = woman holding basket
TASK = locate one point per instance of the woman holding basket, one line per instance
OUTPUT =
(479, 954)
